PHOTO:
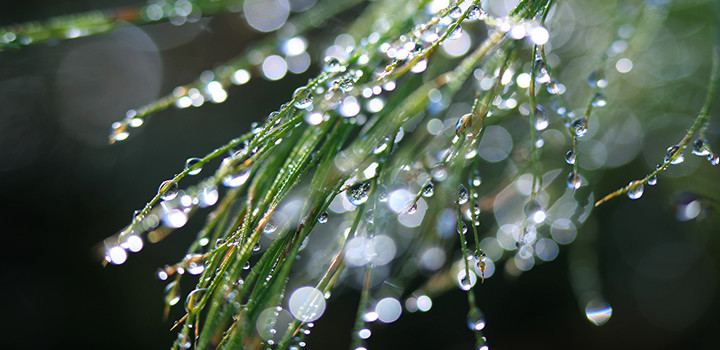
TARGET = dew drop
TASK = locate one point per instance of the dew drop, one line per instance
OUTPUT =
(598, 311)
(428, 190)
(596, 79)
(541, 121)
(332, 65)
(541, 74)
(652, 181)
(172, 293)
(475, 319)
(462, 228)
(713, 159)
(700, 147)
(236, 180)
(466, 279)
(570, 157)
(579, 126)
(323, 218)
(190, 163)
(475, 13)
(193, 298)
(456, 12)
(671, 151)
(305, 102)
(168, 190)
(269, 228)
(462, 124)
(358, 193)
(412, 209)
(637, 191)
(573, 181)
(456, 33)
(462, 195)
(599, 100)
(476, 181)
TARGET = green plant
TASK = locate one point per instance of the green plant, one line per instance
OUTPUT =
(387, 159)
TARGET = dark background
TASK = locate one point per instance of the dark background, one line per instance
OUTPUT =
(63, 189)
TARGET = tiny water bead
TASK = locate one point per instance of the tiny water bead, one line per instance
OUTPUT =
(475, 319)
(652, 181)
(462, 228)
(598, 311)
(636, 191)
(462, 124)
(168, 190)
(358, 193)
(672, 151)
(570, 157)
(541, 121)
(713, 159)
(597, 79)
(541, 74)
(573, 181)
(579, 125)
(332, 65)
(462, 195)
(189, 163)
(599, 100)
(475, 13)
(428, 190)
(700, 147)
(323, 218)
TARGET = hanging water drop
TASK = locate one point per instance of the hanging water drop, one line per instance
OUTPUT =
(466, 279)
(462, 195)
(208, 196)
(476, 181)
(700, 147)
(599, 100)
(193, 298)
(570, 157)
(573, 181)
(456, 33)
(168, 190)
(596, 79)
(671, 151)
(456, 12)
(236, 180)
(172, 293)
(358, 193)
(579, 126)
(598, 311)
(637, 191)
(713, 159)
(189, 163)
(323, 218)
(412, 209)
(541, 122)
(541, 74)
(269, 228)
(462, 228)
(475, 319)
(332, 65)
(305, 102)
(652, 181)
(428, 190)
(475, 13)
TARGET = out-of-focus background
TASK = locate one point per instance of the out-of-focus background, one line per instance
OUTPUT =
(63, 188)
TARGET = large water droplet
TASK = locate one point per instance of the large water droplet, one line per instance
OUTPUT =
(637, 191)
(358, 193)
(700, 147)
(168, 190)
(236, 180)
(580, 126)
(466, 279)
(462, 195)
(570, 157)
(475, 319)
(189, 163)
(671, 151)
(598, 311)
(456, 12)
(193, 298)
(305, 98)
(541, 74)
(428, 190)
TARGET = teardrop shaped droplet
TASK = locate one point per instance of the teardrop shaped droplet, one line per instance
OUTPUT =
(573, 181)
(652, 181)
(598, 311)
(570, 157)
(456, 12)
(236, 180)
(189, 163)
(358, 193)
(462, 195)
(671, 151)
(541, 74)
(637, 191)
(579, 126)
(304, 102)
(462, 228)
(541, 121)
(700, 147)
(168, 190)
(428, 190)
(475, 319)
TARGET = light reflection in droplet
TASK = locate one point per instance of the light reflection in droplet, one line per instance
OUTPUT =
(598, 311)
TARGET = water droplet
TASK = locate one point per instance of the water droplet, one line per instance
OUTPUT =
(358, 193)
(304, 102)
(462, 124)
(475, 319)
(599, 100)
(713, 159)
(596, 79)
(270, 227)
(193, 298)
(476, 181)
(475, 13)
(672, 150)
(412, 209)
(573, 181)
(456, 33)
(428, 190)
(700, 147)
(323, 218)
(462, 228)
(532, 207)
(598, 311)
(466, 279)
(208, 197)
(652, 181)
(190, 163)
(183, 341)
(332, 65)
(236, 180)
(570, 157)
(541, 121)
(455, 12)
(247, 265)
(541, 74)
(168, 190)
(172, 293)
(637, 191)
(580, 126)
(462, 195)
